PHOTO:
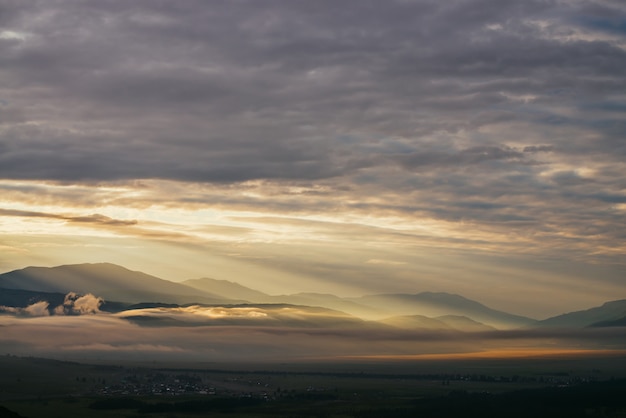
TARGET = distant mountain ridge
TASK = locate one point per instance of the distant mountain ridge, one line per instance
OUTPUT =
(226, 289)
(22, 298)
(331, 302)
(106, 280)
(434, 304)
(608, 314)
(426, 310)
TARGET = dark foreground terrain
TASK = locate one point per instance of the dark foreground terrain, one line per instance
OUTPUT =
(573, 387)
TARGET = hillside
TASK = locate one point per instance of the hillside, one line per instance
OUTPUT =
(331, 302)
(426, 310)
(105, 280)
(226, 289)
(608, 312)
(440, 304)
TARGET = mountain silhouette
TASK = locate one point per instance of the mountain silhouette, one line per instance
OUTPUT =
(22, 298)
(433, 304)
(121, 287)
(608, 312)
(109, 281)
(331, 302)
(226, 289)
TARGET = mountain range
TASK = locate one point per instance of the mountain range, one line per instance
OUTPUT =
(141, 296)
(609, 314)
(109, 281)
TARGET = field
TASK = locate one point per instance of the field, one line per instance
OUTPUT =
(575, 386)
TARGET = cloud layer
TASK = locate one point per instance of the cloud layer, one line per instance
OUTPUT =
(110, 338)
(405, 132)
(74, 304)
(286, 90)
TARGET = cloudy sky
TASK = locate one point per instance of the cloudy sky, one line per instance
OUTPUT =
(470, 146)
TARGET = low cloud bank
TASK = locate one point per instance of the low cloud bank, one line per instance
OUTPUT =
(35, 309)
(112, 337)
(266, 315)
(73, 304)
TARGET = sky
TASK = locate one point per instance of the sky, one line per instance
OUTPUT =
(475, 147)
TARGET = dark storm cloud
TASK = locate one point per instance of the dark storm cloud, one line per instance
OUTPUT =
(241, 90)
